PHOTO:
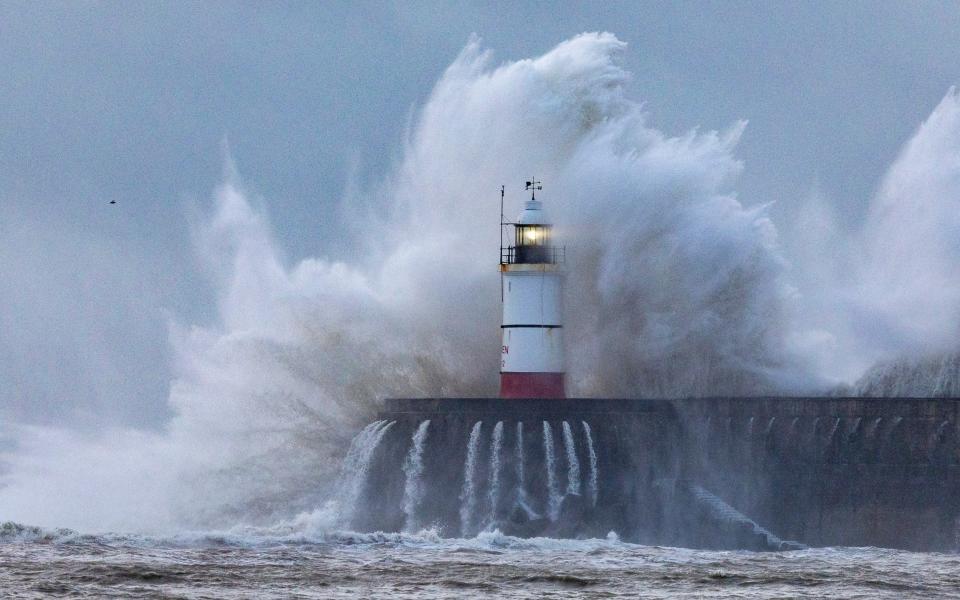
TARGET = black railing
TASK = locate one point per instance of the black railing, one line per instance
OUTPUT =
(513, 255)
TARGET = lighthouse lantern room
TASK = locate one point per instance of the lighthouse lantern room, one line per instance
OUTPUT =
(531, 363)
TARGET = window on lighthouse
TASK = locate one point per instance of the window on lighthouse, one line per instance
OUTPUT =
(532, 235)
(532, 243)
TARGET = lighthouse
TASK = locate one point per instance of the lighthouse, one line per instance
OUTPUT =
(531, 270)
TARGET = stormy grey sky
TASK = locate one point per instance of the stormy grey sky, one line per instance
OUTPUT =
(132, 102)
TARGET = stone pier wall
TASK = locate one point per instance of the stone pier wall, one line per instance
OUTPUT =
(832, 471)
(819, 471)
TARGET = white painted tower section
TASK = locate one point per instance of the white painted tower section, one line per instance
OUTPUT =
(532, 361)
(531, 297)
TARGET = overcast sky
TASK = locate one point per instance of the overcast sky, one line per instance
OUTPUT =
(131, 102)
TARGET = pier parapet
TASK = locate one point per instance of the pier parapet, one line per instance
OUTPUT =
(758, 473)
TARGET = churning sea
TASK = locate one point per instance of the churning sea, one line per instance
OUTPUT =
(38, 563)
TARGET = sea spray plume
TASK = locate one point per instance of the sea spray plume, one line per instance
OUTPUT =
(936, 376)
(265, 400)
(891, 311)
(300, 358)
(675, 289)
(572, 101)
(483, 125)
(908, 301)
(912, 270)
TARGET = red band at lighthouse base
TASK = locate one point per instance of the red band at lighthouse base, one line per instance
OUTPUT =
(532, 385)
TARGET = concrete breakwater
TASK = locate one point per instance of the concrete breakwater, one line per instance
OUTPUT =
(757, 473)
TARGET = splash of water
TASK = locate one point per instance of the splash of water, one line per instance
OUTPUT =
(884, 301)
(291, 354)
(924, 377)
(413, 470)
(723, 512)
(910, 251)
(593, 482)
(356, 467)
(553, 488)
(573, 463)
(468, 495)
(496, 444)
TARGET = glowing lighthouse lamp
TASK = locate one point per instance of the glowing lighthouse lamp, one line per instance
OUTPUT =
(531, 364)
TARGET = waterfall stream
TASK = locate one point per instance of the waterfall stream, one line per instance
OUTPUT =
(356, 464)
(496, 443)
(521, 479)
(721, 512)
(769, 429)
(941, 429)
(413, 470)
(833, 430)
(573, 463)
(468, 495)
(522, 500)
(553, 491)
(592, 483)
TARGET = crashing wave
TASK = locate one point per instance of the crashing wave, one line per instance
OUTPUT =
(676, 289)
(929, 377)
(15, 532)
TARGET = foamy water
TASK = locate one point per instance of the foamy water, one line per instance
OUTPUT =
(353, 565)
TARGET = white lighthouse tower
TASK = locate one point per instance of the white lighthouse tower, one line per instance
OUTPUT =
(531, 364)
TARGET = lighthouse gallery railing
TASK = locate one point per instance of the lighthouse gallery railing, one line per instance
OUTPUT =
(511, 255)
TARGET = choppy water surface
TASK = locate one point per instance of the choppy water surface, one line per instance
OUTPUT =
(35, 563)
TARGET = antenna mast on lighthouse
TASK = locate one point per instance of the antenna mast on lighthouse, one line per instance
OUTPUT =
(531, 285)
(502, 225)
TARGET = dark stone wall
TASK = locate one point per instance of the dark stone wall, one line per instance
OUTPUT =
(832, 471)
(819, 471)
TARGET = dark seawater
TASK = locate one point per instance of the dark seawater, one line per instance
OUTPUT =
(38, 563)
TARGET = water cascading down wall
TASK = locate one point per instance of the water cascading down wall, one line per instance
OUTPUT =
(752, 473)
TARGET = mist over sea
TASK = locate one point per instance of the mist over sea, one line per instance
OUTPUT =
(676, 288)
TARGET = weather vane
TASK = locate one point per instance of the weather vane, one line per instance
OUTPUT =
(533, 185)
